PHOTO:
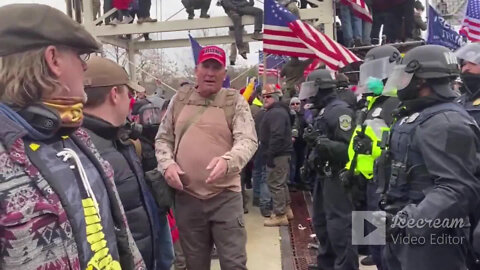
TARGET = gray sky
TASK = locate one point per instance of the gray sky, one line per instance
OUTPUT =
(163, 9)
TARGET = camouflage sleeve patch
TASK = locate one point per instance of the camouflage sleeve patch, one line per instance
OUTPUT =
(165, 140)
(244, 137)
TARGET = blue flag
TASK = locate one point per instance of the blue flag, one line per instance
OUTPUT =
(196, 48)
(226, 82)
(440, 32)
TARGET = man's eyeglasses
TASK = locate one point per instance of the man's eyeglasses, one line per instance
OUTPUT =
(295, 103)
(84, 57)
(267, 96)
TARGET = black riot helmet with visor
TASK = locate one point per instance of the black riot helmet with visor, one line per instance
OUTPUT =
(320, 81)
(150, 115)
(434, 65)
(378, 64)
(470, 53)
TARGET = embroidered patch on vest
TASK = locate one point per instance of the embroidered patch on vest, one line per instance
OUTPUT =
(345, 122)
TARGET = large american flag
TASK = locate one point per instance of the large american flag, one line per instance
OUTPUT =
(274, 63)
(360, 9)
(285, 34)
(471, 22)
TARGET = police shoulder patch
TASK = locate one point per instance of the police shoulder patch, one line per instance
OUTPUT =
(345, 122)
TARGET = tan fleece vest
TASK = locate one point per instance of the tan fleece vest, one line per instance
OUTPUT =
(209, 137)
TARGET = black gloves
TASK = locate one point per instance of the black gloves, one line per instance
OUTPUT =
(362, 145)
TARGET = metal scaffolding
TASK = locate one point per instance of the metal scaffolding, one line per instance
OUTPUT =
(322, 14)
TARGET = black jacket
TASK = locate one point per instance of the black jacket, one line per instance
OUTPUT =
(276, 131)
(130, 184)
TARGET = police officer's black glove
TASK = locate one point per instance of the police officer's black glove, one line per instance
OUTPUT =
(323, 144)
(362, 145)
(309, 136)
(345, 177)
(251, 3)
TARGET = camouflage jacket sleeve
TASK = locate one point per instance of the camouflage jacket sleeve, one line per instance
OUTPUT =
(244, 137)
(165, 140)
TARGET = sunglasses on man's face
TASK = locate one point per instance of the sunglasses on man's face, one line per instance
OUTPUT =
(267, 96)
(295, 103)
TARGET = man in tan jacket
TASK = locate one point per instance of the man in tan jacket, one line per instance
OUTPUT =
(205, 139)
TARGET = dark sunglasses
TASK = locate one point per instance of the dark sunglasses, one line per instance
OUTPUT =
(295, 103)
(267, 96)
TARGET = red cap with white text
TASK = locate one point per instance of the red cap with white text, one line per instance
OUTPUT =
(212, 52)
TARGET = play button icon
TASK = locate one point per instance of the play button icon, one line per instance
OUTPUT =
(368, 228)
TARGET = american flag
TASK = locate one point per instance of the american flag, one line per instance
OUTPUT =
(360, 9)
(285, 34)
(314, 65)
(274, 63)
(471, 22)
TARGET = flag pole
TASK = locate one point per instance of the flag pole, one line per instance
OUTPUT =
(264, 68)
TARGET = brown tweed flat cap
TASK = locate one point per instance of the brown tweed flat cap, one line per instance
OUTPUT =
(29, 26)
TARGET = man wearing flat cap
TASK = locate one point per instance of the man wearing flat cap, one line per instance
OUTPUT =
(108, 91)
(205, 138)
(59, 207)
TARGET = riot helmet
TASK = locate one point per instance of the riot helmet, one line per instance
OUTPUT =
(434, 65)
(150, 115)
(378, 64)
(320, 80)
(469, 54)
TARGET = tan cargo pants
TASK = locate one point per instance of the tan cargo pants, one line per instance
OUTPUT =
(219, 221)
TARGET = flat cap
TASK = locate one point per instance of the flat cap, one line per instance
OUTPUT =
(104, 72)
(29, 26)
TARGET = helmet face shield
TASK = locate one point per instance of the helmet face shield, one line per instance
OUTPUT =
(469, 53)
(379, 69)
(398, 80)
(307, 90)
(150, 116)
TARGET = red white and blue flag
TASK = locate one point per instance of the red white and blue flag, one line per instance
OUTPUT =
(285, 34)
(274, 64)
(360, 9)
(471, 22)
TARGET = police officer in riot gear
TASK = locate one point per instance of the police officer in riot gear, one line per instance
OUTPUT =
(429, 175)
(150, 113)
(330, 134)
(469, 55)
(372, 120)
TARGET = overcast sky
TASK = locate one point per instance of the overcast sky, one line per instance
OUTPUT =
(161, 10)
